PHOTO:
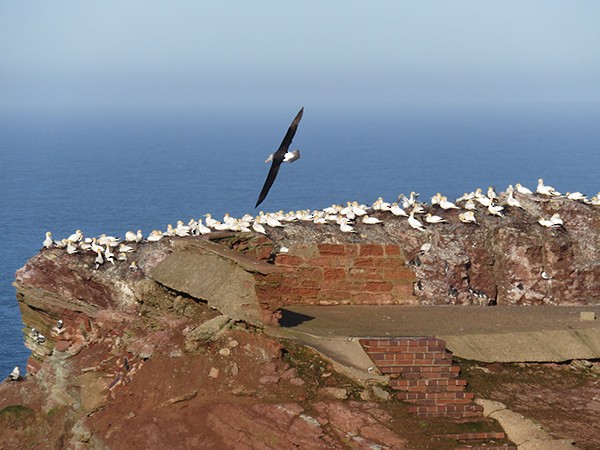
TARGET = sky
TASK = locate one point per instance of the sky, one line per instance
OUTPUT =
(175, 54)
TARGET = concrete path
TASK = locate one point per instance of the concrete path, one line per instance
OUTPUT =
(487, 334)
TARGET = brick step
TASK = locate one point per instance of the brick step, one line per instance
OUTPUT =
(401, 343)
(464, 415)
(421, 385)
(436, 409)
(474, 436)
(488, 447)
(383, 353)
(434, 395)
(439, 371)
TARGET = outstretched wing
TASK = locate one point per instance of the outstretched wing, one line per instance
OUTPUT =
(269, 181)
(287, 139)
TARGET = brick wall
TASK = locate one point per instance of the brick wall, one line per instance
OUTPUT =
(339, 274)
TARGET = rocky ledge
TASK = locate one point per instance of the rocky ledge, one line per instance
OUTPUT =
(167, 347)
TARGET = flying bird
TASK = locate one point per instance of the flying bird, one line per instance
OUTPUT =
(281, 155)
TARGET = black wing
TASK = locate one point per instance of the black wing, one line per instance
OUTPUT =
(278, 157)
(269, 181)
(287, 139)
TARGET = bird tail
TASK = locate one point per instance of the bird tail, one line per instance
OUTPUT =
(296, 156)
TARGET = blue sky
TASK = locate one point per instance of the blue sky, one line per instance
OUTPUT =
(191, 53)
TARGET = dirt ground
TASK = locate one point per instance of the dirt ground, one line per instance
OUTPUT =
(563, 398)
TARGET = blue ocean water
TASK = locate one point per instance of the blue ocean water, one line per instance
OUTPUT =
(112, 171)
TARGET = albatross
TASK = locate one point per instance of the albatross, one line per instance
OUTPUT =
(281, 155)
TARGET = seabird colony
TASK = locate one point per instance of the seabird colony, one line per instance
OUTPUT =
(111, 248)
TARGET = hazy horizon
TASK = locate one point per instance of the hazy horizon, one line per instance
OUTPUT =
(186, 54)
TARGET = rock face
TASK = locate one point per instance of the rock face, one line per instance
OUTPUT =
(184, 295)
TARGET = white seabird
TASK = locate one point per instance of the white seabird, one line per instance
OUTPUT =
(397, 211)
(71, 247)
(99, 259)
(75, 237)
(470, 205)
(414, 222)
(576, 196)
(495, 210)
(547, 223)
(429, 218)
(15, 375)
(155, 235)
(130, 236)
(512, 201)
(48, 241)
(546, 190)
(467, 217)
(556, 220)
(425, 248)
(522, 189)
(366, 219)
(446, 204)
(344, 226)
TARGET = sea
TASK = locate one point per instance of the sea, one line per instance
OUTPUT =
(110, 170)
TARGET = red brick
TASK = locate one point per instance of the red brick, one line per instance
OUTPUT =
(309, 283)
(351, 249)
(323, 261)
(288, 260)
(332, 294)
(331, 249)
(365, 261)
(392, 250)
(305, 292)
(365, 273)
(370, 250)
(374, 298)
(315, 273)
(378, 286)
(403, 290)
(334, 274)
(399, 274)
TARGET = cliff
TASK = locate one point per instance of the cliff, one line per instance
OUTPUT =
(174, 333)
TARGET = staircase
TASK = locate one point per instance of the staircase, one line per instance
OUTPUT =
(421, 369)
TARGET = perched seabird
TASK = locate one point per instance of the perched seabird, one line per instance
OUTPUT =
(108, 255)
(203, 229)
(40, 338)
(15, 375)
(397, 210)
(522, 189)
(366, 219)
(59, 324)
(95, 247)
(124, 248)
(512, 201)
(155, 235)
(99, 259)
(495, 210)
(281, 155)
(429, 218)
(576, 196)
(345, 226)
(130, 236)
(546, 275)
(556, 220)
(445, 204)
(210, 222)
(548, 223)
(71, 247)
(491, 193)
(75, 237)
(48, 240)
(414, 222)
(425, 248)
(467, 217)
(546, 190)
(470, 205)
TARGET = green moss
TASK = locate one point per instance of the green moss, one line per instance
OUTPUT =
(15, 411)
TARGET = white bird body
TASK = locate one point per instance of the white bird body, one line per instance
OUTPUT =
(495, 210)
(512, 201)
(203, 229)
(445, 204)
(522, 189)
(370, 220)
(95, 247)
(470, 205)
(71, 247)
(415, 222)
(99, 259)
(123, 248)
(556, 220)
(576, 196)
(256, 226)
(418, 209)
(429, 218)
(397, 211)
(48, 241)
(109, 255)
(345, 227)
(15, 374)
(75, 237)
(546, 223)
(273, 222)
(467, 217)
(155, 235)
(210, 222)
(545, 190)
